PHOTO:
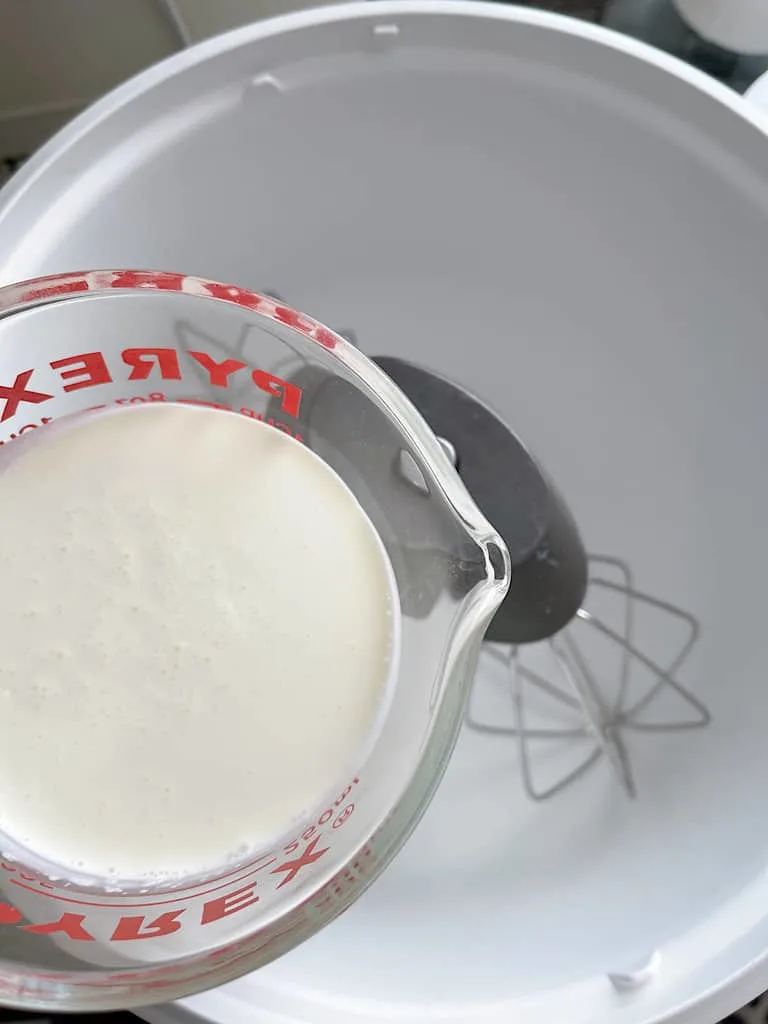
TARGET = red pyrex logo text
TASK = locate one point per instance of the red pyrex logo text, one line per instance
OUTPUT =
(85, 918)
(91, 369)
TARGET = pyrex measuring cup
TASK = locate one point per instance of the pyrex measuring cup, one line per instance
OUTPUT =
(108, 339)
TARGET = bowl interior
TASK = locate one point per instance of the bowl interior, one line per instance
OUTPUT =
(579, 238)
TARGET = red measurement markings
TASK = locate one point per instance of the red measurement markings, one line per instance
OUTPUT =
(348, 878)
(9, 914)
(218, 373)
(293, 867)
(252, 414)
(13, 869)
(212, 963)
(153, 396)
(84, 371)
(244, 871)
(58, 285)
(18, 392)
(144, 362)
(347, 813)
(310, 838)
(229, 903)
(27, 427)
(158, 396)
(135, 927)
(91, 369)
(51, 287)
(316, 829)
(68, 924)
(130, 928)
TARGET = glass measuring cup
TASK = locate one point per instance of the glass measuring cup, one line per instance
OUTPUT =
(106, 339)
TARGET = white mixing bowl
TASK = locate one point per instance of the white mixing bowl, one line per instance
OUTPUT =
(576, 227)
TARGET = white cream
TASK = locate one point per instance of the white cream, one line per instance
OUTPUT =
(198, 630)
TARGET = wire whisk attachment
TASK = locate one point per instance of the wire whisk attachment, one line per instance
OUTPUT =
(597, 694)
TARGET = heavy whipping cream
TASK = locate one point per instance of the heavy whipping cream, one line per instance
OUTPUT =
(199, 628)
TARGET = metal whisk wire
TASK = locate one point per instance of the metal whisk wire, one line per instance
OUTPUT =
(573, 684)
